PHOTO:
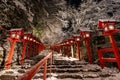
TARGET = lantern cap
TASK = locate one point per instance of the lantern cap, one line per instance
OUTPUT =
(27, 33)
(85, 29)
(16, 29)
(105, 22)
(108, 20)
(70, 39)
(76, 35)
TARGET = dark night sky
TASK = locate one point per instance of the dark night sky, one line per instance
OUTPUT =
(74, 3)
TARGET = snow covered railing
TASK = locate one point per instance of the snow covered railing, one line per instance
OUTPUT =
(31, 73)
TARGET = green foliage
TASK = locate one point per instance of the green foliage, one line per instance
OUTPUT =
(37, 32)
(39, 28)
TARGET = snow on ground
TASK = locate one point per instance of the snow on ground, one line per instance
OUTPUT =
(111, 71)
(60, 57)
(53, 77)
(14, 72)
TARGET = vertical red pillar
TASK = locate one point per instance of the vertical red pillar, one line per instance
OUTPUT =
(62, 50)
(72, 52)
(78, 50)
(32, 49)
(35, 50)
(86, 35)
(23, 53)
(109, 29)
(39, 48)
(11, 54)
(77, 40)
(89, 51)
(101, 60)
(115, 49)
(29, 50)
(45, 70)
(15, 36)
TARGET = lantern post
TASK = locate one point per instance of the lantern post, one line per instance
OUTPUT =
(71, 43)
(33, 46)
(64, 49)
(37, 46)
(86, 35)
(25, 42)
(15, 36)
(60, 45)
(68, 47)
(109, 29)
(30, 46)
(77, 41)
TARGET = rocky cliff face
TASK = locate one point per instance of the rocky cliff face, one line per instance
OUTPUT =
(55, 20)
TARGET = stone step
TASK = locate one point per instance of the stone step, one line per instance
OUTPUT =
(75, 75)
(64, 62)
(66, 66)
(73, 69)
(69, 79)
(7, 77)
(79, 75)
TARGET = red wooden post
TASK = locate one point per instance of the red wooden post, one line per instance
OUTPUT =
(89, 51)
(23, 53)
(60, 48)
(45, 70)
(66, 48)
(101, 60)
(25, 42)
(42, 47)
(86, 37)
(11, 54)
(36, 46)
(109, 29)
(39, 48)
(30, 46)
(63, 48)
(36, 49)
(15, 36)
(78, 49)
(33, 47)
(36, 68)
(69, 46)
(77, 41)
(71, 43)
(51, 58)
(115, 49)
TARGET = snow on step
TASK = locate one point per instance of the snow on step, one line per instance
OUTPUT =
(65, 68)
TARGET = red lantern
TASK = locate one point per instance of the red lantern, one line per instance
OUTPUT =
(77, 40)
(86, 35)
(109, 28)
(15, 36)
(25, 42)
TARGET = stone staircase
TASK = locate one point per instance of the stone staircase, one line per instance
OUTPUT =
(68, 69)
(64, 68)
